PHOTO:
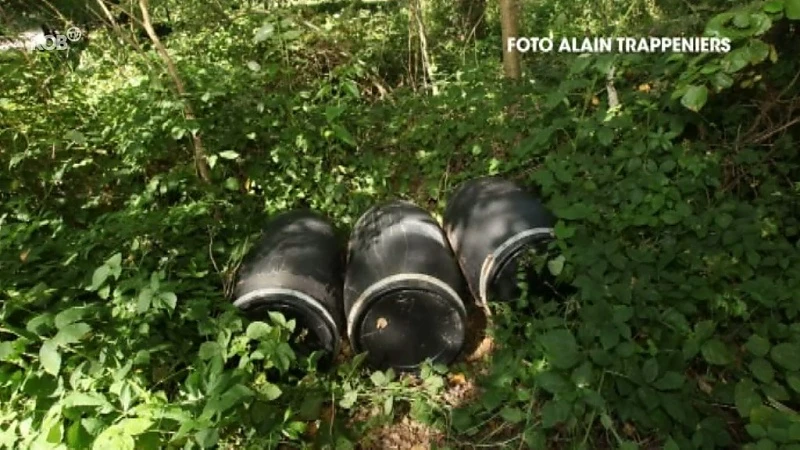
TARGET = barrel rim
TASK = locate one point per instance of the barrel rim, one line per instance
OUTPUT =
(275, 295)
(499, 256)
(391, 283)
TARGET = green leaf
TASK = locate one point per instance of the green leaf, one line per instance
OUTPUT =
(716, 352)
(258, 331)
(76, 137)
(228, 154)
(209, 350)
(169, 299)
(560, 348)
(76, 399)
(144, 300)
(695, 97)
(554, 412)
(773, 6)
(264, 32)
(135, 426)
(271, 391)
(786, 355)
(762, 370)
(69, 316)
(511, 414)
(50, 358)
(575, 211)
(232, 184)
(72, 333)
(388, 405)
(723, 220)
(113, 438)
(100, 276)
(746, 397)
(605, 136)
(792, 9)
(349, 399)
(757, 345)
(378, 378)
(556, 265)
(344, 135)
(670, 444)
(650, 370)
(793, 380)
(670, 381)
(553, 382)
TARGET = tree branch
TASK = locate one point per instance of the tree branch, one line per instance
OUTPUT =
(199, 153)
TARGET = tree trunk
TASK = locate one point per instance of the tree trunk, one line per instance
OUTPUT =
(508, 19)
(199, 153)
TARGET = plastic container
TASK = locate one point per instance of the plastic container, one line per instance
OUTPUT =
(296, 268)
(403, 291)
(490, 223)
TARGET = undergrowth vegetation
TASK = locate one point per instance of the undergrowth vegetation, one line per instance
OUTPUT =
(677, 192)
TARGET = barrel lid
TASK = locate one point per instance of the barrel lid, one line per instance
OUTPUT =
(313, 331)
(403, 327)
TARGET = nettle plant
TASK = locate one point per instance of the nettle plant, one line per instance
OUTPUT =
(137, 369)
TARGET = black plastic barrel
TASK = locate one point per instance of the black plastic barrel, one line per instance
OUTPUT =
(403, 293)
(490, 223)
(296, 269)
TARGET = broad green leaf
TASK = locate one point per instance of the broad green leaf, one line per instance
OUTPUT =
(670, 381)
(349, 399)
(793, 380)
(100, 276)
(113, 438)
(757, 345)
(560, 348)
(144, 300)
(135, 426)
(650, 370)
(72, 333)
(378, 378)
(69, 316)
(258, 330)
(773, 6)
(271, 391)
(746, 397)
(114, 261)
(553, 382)
(50, 358)
(264, 32)
(786, 355)
(169, 299)
(511, 414)
(74, 399)
(792, 9)
(344, 135)
(723, 220)
(556, 265)
(716, 352)
(228, 154)
(762, 370)
(695, 98)
(209, 350)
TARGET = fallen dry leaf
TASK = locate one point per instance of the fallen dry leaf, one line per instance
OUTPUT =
(457, 379)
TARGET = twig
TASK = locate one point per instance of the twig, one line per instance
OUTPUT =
(769, 134)
(199, 152)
